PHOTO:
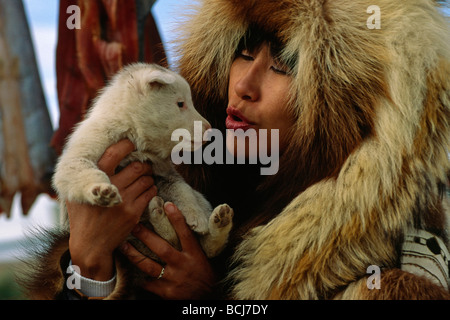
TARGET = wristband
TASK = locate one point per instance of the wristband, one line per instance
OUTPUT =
(87, 288)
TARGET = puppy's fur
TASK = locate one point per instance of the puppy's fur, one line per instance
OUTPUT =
(145, 104)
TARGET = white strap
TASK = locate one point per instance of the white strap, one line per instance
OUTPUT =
(89, 287)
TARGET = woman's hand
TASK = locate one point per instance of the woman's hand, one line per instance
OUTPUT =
(95, 232)
(187, 273)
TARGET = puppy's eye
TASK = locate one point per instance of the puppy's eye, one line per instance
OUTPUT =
(180, 104)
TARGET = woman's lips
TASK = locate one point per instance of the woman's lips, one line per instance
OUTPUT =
(236, 120)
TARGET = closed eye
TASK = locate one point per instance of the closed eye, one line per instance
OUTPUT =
(279, 67)
(278, 70)
(245, 54)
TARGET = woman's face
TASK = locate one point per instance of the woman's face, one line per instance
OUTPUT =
(258, 95)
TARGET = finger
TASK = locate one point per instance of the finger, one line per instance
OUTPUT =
(131, 174)
(155, 243)
(185, 234)
(114, 154)
(158, 287)
(145, 264)
(138, 187)
(141, 202)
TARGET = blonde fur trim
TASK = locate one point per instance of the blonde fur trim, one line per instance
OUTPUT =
(330, 234)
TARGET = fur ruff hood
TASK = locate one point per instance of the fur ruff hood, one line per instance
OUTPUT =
(373, 117)
(372, 136)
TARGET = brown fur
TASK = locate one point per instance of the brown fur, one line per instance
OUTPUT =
(44, 274)
(43, 278)
(395, 285)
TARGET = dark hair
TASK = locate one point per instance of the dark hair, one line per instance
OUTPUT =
(255, 37)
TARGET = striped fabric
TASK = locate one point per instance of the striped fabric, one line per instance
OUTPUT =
(426, 254)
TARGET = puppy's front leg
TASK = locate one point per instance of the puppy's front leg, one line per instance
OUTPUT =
(79, 180)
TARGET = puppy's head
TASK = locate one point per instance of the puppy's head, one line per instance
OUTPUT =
(161, 103)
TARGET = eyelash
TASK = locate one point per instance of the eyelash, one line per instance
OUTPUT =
(273, 68)
(245, 56)
(279, 71)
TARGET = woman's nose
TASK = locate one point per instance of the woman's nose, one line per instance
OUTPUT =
(248, 86)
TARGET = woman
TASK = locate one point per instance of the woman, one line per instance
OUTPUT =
(363, 116)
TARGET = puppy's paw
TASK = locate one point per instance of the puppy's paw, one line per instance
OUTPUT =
(104, 194)
(160, 222)
(221, 217)
(197, 222)
(156, 209)
(220, 224)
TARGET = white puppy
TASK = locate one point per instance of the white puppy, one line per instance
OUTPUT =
(144, 103)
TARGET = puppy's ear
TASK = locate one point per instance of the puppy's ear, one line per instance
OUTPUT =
(157, 79)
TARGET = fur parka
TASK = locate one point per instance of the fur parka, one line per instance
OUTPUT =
(372, 104)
